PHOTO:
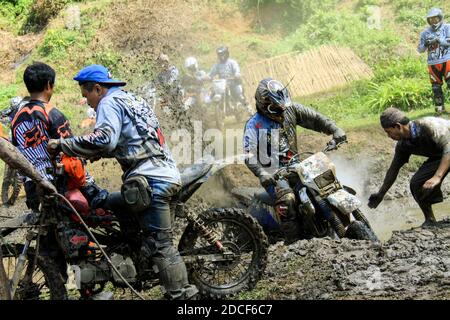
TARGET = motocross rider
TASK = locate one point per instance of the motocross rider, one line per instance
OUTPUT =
(33, 125)
(167, 83)
(436, 39)
(227, 68)
(127, 128)
(428, 137)
(270, 141)
(192, 83)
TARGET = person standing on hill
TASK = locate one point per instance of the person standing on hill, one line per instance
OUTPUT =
(436, 39)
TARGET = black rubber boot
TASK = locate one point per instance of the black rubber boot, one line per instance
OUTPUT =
(438, 99)
(429, 215)
(170, 267)
(290, 230)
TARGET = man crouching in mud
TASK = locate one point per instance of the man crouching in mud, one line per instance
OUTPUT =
(127, 129)
(428, 137)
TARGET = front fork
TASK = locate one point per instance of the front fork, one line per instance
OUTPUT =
(31, 235)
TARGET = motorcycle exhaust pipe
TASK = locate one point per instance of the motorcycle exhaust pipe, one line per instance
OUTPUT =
(11, 156)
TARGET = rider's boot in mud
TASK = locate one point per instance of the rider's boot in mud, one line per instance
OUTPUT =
(169, 266)
(430, 220)
(290, 230)
(285, 208)
(440, 110)
(438, 98)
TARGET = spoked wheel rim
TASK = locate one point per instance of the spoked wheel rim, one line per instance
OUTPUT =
(31, 286)
(238, 241)
(43, 282)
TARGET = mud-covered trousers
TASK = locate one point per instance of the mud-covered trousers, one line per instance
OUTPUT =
(155, 222)
(423, 197)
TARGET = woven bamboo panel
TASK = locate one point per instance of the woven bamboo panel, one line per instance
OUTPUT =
(314, 71)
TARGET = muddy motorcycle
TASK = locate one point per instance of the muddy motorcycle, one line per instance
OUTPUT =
(324, 206)
(224, 103)
(225, 250)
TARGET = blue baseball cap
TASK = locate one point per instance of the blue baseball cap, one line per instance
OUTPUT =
(97, 73)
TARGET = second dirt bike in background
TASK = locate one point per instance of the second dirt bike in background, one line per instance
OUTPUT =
(224, 103)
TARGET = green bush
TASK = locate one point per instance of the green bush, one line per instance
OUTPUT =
(40, 14)
(289, 13)
(349, 30)
(402, 93)
(6, 93)
(14, 12)
(56, 43)
(406, 67)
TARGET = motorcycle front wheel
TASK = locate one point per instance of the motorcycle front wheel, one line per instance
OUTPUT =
(43, 282)
(10, 186)
(242, 237)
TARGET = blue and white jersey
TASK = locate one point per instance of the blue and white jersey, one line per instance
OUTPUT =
(127, 129)
(438, 52)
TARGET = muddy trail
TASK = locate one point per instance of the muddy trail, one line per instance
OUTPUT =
(413, 264)
(409, 263)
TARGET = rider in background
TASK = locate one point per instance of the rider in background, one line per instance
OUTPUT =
(227, 68)
(167, 83)
(436, 39)
(270, 142)
(192, 84)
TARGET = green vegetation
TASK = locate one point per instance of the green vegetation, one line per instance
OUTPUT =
(401, 78)
(400, 75)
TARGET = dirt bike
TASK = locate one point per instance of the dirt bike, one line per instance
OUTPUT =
(12, 182)
(324, 206)
(225, 250)
(224, 103)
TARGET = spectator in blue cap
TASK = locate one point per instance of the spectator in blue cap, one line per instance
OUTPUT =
(127, 129)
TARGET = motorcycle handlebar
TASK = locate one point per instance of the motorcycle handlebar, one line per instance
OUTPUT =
(285, 171)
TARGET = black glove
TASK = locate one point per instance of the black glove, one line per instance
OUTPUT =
(266, 180)
(431, 40)
(374, 200)
(340, 139)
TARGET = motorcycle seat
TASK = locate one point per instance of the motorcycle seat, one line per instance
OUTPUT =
(194, 172)
(265, 197)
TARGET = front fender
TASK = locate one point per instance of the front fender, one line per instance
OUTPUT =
(344, 201)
